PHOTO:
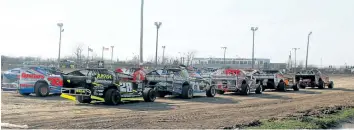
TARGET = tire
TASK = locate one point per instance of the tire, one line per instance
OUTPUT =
(270, 85)
(84, 99)
(160, 94)
(330, 85)
(259, 89)
(263, 88)
(149, 95)
(187, 92)
(220, 92)
(211, 92)
(112, 97)
(281, 87)
(41, 89)
(302, 86)
(313, 84)
(320, 84)
(296, 87)
(245, 89)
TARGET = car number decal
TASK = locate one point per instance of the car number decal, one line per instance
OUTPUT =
(126, 87)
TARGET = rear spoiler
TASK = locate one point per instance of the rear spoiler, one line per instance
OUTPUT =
(159, 78)
(224, 76)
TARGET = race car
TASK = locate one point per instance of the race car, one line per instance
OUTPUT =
(177, 81)
(235, 80)
(312, 78)
(103, 85)
(275, 79)
(38, 80)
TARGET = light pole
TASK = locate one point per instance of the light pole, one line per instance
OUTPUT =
(254, 29)
(141, 31)
(180, 56)
(158, 25)
(295, 49)
(224, 53)
(112, 57)
(163, 54)
(60, 25)
(307, 50)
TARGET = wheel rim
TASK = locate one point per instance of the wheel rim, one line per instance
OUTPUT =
(152, 95)
(115, 98)
(213, 91)
(260, 88)
(190, 92)
(44, 90)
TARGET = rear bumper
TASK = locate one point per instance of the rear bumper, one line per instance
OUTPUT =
(227, 88)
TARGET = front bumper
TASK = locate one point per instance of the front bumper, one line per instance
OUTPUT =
(76, 91)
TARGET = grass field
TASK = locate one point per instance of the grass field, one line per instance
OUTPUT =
(323, 121)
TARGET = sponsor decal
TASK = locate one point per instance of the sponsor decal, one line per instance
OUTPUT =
(56, 81)
(80, 91)
(104, 76)
(32, 76)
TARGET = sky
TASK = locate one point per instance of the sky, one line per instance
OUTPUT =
(29, 28)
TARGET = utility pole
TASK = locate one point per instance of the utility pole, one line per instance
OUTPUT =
(88, 56)
(163, 55)
(141, 31)
(102, 52)
(60, 25)
(224, 53)
(295, 49)
(307, 50)
(321, 62)
(254, 29)
(112, 57)
(158, 25)
(290, 62)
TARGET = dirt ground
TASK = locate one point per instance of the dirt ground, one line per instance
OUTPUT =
(201, 112)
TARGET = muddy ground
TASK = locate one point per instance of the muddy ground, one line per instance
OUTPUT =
(201, 112)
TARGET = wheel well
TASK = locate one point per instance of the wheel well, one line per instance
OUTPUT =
(109, 87)
(41, 81)
(259, 81)
(151, 84)
(185, 83)
(244, 82)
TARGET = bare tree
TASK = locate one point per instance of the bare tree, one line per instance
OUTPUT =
(190, 56)
(78, 53)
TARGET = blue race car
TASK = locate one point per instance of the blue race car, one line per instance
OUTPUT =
(40, 81)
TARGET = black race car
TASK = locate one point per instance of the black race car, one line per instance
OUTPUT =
(102, 85)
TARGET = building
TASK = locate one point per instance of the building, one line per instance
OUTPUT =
(278, 66)
(242, 63)
(260, 63)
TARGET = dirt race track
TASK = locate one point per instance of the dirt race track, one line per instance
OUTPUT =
(200, 112)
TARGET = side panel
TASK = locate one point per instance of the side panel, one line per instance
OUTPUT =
(27, 82)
